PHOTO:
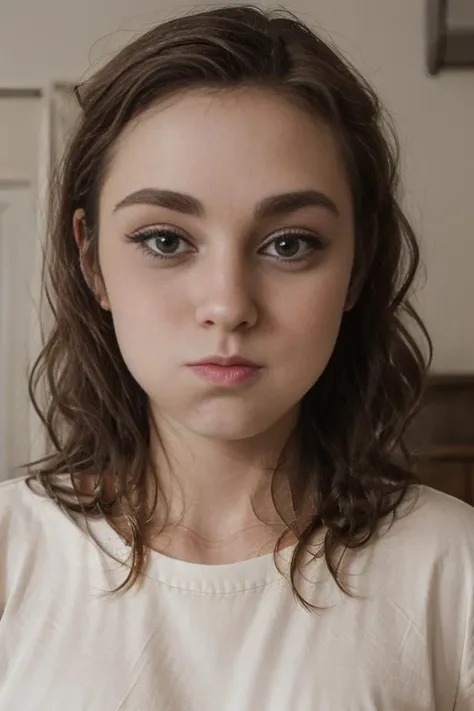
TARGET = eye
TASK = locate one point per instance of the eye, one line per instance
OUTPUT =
(163, 243)
(160, 243)
(288, 246)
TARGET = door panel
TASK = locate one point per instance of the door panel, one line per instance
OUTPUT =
(17, 233)
(20, 125)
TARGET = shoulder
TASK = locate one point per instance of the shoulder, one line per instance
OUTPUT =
(430, 540)
(22, 506)
(26, 513)
(30, 522)
(37, 534)
(18, 504)
(29, 514)
(437, 550)
(430, 518)
(428, 526)
(20, 530)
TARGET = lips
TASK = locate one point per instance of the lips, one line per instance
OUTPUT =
(224, 361)
(225, 375)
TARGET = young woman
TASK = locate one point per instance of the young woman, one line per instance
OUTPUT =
(227, 519)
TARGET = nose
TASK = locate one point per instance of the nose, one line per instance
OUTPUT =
(226, 298)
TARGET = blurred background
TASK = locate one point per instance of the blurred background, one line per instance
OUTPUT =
(419, 56)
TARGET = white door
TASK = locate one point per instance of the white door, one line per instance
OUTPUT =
(20, 126)
(17, 257)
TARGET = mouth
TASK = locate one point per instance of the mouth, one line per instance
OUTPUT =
(226, 361)
(225, 375)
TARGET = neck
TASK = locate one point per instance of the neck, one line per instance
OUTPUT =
(217, 504)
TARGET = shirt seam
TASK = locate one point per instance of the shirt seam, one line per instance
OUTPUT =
(181, 588)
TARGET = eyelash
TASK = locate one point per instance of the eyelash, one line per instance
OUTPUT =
(141, 238)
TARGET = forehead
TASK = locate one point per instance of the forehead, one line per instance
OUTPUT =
(226, 147)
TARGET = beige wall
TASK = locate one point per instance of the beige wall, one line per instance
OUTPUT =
(55, 40)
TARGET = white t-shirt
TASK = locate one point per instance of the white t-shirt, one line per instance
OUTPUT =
(232, 637)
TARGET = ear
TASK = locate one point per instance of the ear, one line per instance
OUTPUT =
(89, 269)
(351, 298)
(356, 284)
(353, 295)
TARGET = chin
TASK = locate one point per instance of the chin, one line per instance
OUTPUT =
(226, 432)
(228, 426)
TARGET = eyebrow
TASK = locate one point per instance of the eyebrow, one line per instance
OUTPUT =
(272, 206)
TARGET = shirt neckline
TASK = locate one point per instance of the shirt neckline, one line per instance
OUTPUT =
(227, 578)
(251, 574)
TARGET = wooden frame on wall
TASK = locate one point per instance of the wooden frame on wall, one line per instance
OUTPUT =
(441, 436)
(450, 34)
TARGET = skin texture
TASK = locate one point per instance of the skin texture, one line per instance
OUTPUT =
(224, 291)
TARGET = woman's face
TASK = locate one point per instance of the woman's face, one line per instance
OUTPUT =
(226, 186)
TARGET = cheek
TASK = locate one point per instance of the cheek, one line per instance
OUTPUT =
(144, 334)
(320, 321)
(145, 317)
(143, 310)
(311, 324)
(135, 295)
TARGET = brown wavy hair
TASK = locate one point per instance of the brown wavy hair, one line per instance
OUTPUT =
(353, 420)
